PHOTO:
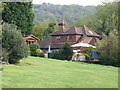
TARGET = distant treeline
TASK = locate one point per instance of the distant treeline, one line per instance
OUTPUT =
(70, 13)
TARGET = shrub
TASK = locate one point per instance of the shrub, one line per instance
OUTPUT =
(65, 53)
(108, 47)
(55, 55)
(14, 43)
(89, 50)
(33, 48)
(40, 53)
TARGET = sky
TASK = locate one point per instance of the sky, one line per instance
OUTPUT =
(67, 2)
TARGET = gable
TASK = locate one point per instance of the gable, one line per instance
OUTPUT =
(31, 37)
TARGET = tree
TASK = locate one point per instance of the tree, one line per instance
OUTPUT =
(66, 52)
(108, 47)
(104, 20)
(52, 26)
(1, 9)
(20, 14)
(13, 43)
(44, 29)
(70, 13)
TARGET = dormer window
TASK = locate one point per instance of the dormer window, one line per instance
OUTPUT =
(70, 37)
(58, 38)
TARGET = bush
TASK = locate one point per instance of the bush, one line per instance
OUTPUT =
(40, 53)
(64, 54)
(14, 43)
(55, 55)
(108, 47)
(33, 48)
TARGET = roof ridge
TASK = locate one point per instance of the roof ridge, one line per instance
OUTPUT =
(75, 29)
(84, 29)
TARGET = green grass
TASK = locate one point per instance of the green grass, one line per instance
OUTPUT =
(35, 72)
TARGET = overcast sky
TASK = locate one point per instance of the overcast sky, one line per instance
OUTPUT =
(66, 2)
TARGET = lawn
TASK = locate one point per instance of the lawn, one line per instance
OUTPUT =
(35, 72)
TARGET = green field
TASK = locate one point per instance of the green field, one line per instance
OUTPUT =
(35, 72)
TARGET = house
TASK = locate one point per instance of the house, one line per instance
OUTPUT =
(72, 35)
(31, 39)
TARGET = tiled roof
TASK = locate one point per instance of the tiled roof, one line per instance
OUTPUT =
(87, 40)
(90, 32)
(76, 30)
(45, 43)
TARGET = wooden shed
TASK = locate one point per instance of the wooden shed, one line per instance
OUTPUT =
(31, 39)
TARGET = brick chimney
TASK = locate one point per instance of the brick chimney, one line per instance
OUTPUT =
(61, 25)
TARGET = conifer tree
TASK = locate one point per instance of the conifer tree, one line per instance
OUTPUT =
(20, 14)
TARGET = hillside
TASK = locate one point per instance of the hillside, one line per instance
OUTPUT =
(35, 72)
(70, 13)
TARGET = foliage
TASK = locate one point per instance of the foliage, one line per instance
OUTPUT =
(1, 7)
(13, 43)
(20, 14)
(70, 13)
(33, 48)
(40, 53)
(64, 54)
(0, 40)
(55, 54)
(104, 20)
(44, 29)
(5, 55)
(89, 50)
(108, 47)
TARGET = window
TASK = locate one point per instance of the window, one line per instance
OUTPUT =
(58, 37)
(69, 37)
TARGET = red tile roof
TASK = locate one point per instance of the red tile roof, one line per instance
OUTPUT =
(90, 32)
(87, 40)
(76, 30)
(45, 43)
